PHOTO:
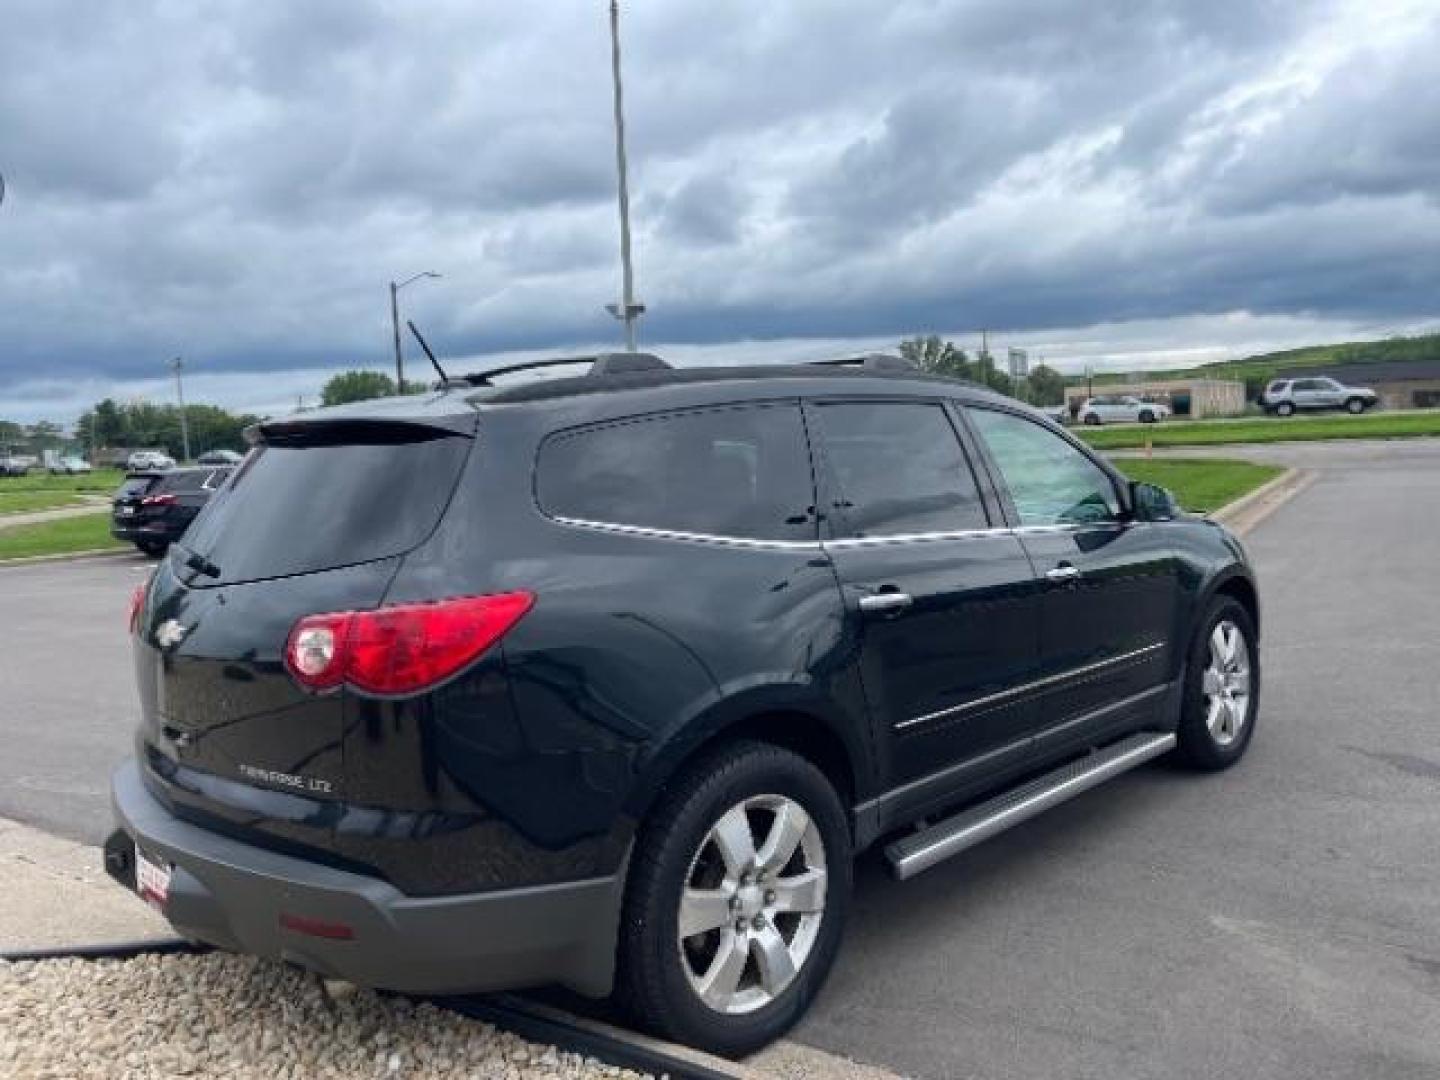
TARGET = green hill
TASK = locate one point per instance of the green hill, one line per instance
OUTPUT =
(1259, 369)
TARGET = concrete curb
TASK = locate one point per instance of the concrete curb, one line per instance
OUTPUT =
(69, 556)
(1251, 509)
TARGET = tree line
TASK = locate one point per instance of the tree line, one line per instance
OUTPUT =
(1043, 386)
(137, 424)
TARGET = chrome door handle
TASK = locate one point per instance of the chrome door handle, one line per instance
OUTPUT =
(885, 602)
(1062, 573)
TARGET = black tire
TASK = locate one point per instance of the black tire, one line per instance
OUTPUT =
(1285, 408)
(1355, 406)
(1092, 419)
(653, 984)
(1199, 747)
(153, 548)
(1147, 417)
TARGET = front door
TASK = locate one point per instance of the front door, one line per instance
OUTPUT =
(1108, 643)
(942, 598)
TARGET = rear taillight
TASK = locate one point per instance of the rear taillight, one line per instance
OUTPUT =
(159, 500)
(400, 649)
(137, 603)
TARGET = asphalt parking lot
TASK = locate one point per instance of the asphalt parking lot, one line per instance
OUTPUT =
(1279, 920)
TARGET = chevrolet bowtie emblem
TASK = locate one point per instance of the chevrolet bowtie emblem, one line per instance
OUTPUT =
(169, 634)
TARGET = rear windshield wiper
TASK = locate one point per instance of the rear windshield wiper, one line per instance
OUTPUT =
(201, 565)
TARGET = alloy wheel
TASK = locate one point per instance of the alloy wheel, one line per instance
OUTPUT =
(1226, 683)
(752, 904)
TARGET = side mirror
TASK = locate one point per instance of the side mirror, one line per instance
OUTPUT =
(1152, 503)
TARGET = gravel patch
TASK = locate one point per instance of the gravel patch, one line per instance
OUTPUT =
(236, 1016)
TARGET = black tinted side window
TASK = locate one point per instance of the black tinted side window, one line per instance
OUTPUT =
(898, 468)
(740, 471)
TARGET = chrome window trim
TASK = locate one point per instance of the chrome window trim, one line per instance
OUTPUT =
(848, 542)
(1027, 688)
(689, 537)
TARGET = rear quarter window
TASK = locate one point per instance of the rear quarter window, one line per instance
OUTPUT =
(735, 471)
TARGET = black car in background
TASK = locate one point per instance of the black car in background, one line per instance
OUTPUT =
(152, 509)
(603, 680)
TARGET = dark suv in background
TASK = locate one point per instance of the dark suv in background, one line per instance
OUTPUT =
(604, 679)
(153, 509)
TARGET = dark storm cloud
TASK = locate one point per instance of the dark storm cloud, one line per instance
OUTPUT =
(238, 181)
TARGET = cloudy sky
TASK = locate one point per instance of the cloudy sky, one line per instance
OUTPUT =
(1123, 182)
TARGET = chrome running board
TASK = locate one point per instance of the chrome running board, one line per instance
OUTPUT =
(922, 850)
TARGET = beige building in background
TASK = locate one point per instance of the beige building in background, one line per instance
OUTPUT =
(1196, 398)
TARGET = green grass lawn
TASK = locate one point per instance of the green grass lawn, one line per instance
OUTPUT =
(1199, 484)
(1265, 429)
(101, 480)
(15, 502)
(41, 491)
(87, 533)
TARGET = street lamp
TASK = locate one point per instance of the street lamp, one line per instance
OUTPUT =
(395, 324)
(628, 310)
(176, 365)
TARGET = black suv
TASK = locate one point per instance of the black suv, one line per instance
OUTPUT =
(603, 679)
(153, 509)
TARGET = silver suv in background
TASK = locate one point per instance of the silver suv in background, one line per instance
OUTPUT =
(1121, 408)
(1284, 396)
(148, 459)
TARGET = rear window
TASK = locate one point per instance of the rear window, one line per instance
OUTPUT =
(739, 471)
(190, 480)
(294, 507)
(135, 486)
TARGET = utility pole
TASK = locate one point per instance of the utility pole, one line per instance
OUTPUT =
(395, 324)
(176, 365)
(395, 329)
(628, 310)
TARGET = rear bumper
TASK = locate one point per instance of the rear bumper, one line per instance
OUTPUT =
(124, 529)
(232, 895)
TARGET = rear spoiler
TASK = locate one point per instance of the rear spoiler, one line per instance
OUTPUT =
(339, 430)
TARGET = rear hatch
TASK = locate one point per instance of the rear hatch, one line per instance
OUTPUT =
(316, 520)
(125, 509)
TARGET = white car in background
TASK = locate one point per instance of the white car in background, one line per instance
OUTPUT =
(149, 459)
(1121, 409)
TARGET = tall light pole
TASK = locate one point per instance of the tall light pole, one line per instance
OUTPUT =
(176, 365)
(628, 310)
(395, 324)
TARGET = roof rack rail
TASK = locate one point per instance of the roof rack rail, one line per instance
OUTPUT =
(601, 365)
(870, 362)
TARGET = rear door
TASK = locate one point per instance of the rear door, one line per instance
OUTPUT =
(1111, 584)
(1306, 393)
(943, 599)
